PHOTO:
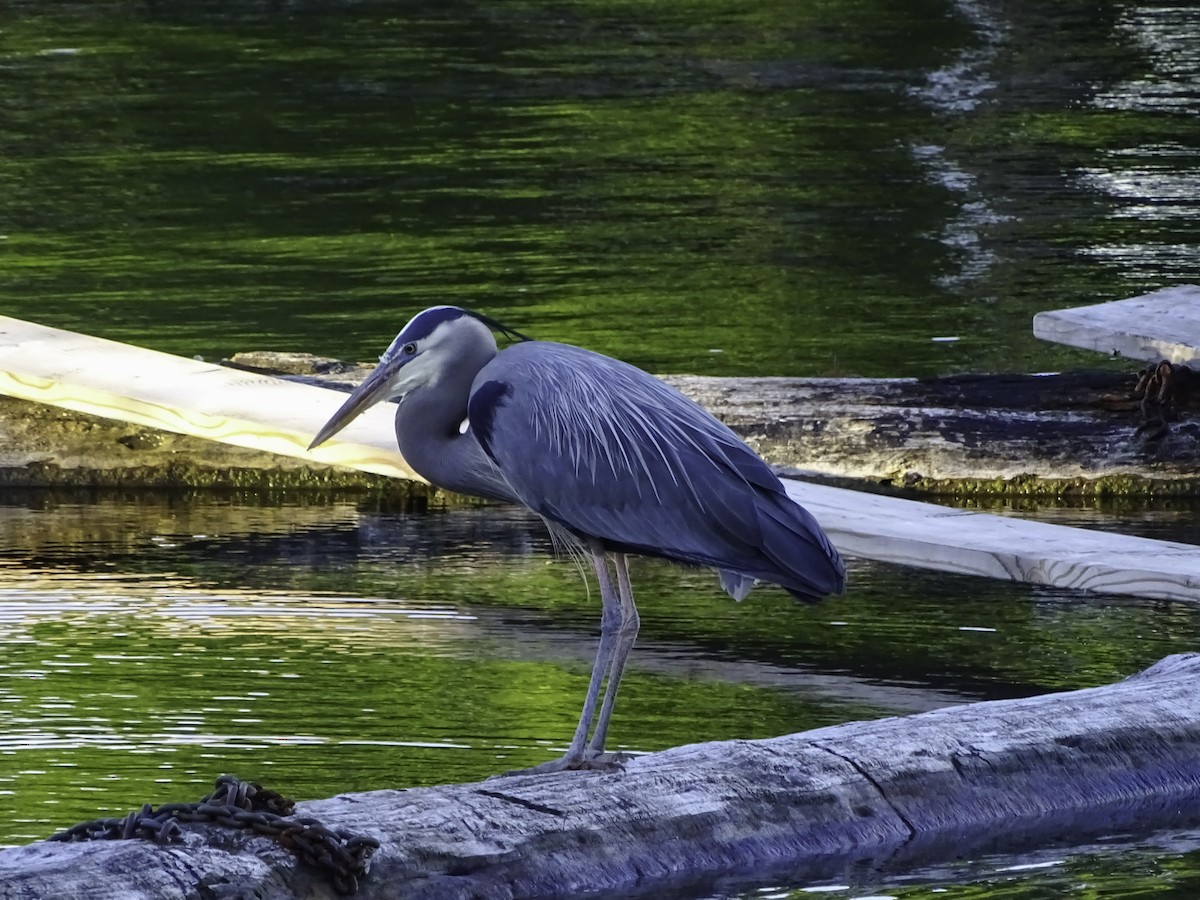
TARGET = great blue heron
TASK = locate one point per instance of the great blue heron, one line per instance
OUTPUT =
(614, 460)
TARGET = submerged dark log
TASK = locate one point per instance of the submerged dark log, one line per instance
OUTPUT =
(898, 791)
(964, 433)
(969, 433)
(1025, 433)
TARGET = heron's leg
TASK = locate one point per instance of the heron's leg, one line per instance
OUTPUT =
(610, 622)
(626, 635)
(615, 638)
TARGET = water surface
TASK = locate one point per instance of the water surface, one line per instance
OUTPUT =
(321, 644)
(708, 186)
(704, 186)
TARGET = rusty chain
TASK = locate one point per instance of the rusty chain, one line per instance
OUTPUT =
(342, 856)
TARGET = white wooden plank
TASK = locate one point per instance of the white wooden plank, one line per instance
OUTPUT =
(132, 384)
(891, 529)
(1161, 325)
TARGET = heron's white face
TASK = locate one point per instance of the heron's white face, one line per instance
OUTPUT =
(405, 366)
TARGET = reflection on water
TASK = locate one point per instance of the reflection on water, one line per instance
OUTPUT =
(1122, 866)
(1169, 39)
(322, 645)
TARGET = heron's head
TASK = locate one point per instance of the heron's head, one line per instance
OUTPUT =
(434, 341)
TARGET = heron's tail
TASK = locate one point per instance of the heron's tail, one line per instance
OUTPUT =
(802, 550)
(798, 554)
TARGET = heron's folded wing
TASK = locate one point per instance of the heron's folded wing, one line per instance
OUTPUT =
(610, 452)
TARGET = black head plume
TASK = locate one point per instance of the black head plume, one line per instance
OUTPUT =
(510, 333)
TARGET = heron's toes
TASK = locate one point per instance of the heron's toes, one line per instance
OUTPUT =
(588, 761)
(603, 761)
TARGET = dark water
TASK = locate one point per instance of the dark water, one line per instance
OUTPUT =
(700, 185)
(323, 644)
(703, 185)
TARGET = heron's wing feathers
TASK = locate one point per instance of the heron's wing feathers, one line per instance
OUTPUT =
(608, 451)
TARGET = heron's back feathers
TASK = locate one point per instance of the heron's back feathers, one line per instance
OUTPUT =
(608, 451)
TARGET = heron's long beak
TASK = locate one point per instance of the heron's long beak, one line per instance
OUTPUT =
(373, 389)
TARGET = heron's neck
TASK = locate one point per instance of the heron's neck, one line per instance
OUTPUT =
(429, 434)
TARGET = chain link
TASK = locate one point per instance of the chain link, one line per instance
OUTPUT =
(342, 856)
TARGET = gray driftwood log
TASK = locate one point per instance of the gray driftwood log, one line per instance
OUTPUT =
(892, 793)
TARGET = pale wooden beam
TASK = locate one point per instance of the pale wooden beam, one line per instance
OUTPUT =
(1163, 324)
(186, 396)
(894, 530)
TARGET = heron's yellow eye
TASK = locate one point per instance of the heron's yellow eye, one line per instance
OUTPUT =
(408, 349)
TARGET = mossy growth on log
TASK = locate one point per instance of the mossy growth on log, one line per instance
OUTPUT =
(1108, 486)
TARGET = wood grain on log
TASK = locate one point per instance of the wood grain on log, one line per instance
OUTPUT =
(952, 782)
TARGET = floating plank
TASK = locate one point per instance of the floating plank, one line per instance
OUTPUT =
(186, 396)
(105, 378)
(891, 529)
(1163, 324)
(822, 805)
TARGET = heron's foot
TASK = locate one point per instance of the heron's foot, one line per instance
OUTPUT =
(588, 761)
